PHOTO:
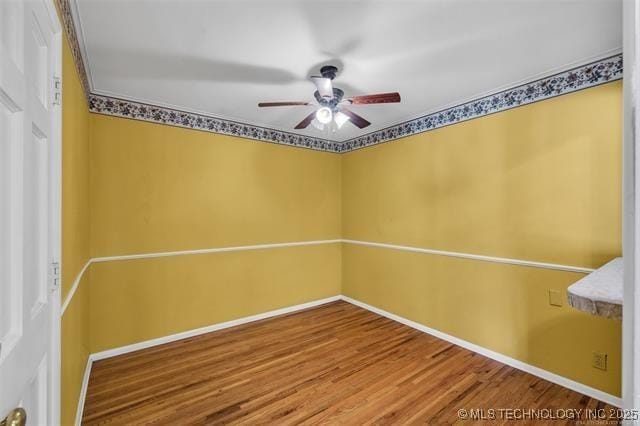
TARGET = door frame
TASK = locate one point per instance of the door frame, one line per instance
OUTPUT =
(55, 221)
(631, 208)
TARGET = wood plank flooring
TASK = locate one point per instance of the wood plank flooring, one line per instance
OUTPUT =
(336, 363)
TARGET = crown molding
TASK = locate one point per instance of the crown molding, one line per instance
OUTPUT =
(66, 16)
(567, 80)
(79, 36)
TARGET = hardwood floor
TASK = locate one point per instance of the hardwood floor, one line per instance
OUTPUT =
(336, 363)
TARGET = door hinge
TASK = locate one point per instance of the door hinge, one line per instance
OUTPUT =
(55, 276)
(57, 91)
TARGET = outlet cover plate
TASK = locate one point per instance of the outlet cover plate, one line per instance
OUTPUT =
(555, 298)
(599, 361)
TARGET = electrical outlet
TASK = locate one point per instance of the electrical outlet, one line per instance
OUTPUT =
(555, 298)
(599, 361)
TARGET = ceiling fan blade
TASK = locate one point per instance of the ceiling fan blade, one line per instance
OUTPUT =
(380, 98)
(325, 88)
(355, 118)
(277, 104)
(307, 120)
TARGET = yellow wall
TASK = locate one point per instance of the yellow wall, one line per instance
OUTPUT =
(540, 182)
(75, 174)
(75, 233)
(157, 188)
(500, 307)
(137, 300)
(161, 188)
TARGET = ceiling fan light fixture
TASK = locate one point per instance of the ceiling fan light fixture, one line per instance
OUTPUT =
(331, 103)
(324, 115)
(340, 118)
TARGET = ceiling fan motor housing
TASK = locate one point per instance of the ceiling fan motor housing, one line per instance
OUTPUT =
(330, 103)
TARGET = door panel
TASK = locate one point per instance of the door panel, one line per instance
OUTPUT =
(12, 105)
(10, 124)
(11, 21)
(39, 55)
(29, 197)
(34, 399)
(35, 182)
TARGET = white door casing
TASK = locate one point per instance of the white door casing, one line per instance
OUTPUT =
(631, 210)
(30, 60)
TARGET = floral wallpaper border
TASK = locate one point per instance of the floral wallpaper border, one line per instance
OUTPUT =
(582, 77)
(139, 111)
(578, 78)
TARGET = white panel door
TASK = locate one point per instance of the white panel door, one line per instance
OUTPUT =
(29, 210)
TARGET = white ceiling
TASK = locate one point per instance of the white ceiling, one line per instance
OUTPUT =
(223, 57)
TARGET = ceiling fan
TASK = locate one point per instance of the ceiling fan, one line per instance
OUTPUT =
(332, 103)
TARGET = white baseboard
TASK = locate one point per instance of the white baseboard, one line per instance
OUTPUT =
(208, 329)
(83, 391)
(536, 371)
(527, 368)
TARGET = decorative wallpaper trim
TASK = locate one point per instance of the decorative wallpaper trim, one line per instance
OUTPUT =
(64, 9)
(574, 79)
(582, 77)
(145, 112)
(578, 78)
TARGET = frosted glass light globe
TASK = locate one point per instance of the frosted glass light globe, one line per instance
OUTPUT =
(340, 118)
(324, 115)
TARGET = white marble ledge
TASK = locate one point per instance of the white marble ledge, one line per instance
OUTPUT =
(600, 292)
